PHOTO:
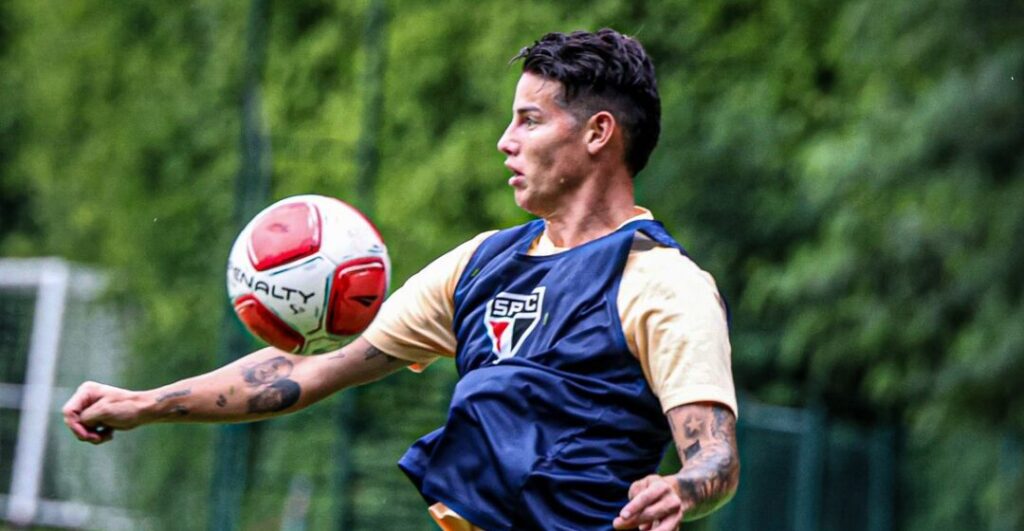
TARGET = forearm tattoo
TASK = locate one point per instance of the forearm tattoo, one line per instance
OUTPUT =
(710, 471)
(177, 410)
(173, 394)
(692, 450)
(276, 392)
(277, 396)
(267, 372)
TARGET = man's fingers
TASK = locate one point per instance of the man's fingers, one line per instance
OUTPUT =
(653, 506)
(72, 412)
(86, 394)
(639, 485)
(77, 428)
(633, 509)
(80, 415)
(95, 434)
(643, 493)
(103, 434)
(664, 508)
(88, 434)
(94, 415)
(668, 524)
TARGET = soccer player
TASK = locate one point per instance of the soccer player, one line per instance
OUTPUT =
(585, 340)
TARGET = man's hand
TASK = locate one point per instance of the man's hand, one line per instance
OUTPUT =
(96, 410)
(654, 505)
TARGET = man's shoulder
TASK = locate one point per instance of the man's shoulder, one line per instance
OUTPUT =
(471, 244)
(475, 241)
(652, 264)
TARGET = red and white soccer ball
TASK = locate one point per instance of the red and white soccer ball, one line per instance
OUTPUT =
(307, 271)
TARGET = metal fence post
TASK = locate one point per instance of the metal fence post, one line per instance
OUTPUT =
(881, 479)
(810, 471)
(252, 184)
(367, 164)
(1007, 515)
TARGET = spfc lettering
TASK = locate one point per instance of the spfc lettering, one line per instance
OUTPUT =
(510, 319)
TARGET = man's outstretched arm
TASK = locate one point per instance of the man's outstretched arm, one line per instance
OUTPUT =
(266, 383)
(705, 436)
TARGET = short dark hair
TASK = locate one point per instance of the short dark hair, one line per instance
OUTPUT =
(603, 70)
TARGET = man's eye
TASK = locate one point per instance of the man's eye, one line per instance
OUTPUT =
(529, 122)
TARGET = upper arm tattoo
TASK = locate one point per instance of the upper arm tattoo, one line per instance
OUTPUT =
(373, 352)
(369, 353)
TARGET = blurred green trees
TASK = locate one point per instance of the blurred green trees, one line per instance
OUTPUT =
(852, 172)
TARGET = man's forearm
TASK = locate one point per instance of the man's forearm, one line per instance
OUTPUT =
(265, 383)
(257, 386)
(710, 472)
(708, 481)
(705, 436)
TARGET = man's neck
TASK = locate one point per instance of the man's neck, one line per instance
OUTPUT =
(594, 212)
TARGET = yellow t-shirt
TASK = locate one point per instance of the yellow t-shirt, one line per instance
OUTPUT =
(672, 316)
(671, 313)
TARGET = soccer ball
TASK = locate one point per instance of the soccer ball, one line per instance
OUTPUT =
(307, 271)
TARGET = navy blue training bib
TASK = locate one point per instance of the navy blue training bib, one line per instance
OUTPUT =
(552, 418)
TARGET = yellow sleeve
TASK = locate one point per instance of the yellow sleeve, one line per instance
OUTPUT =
(415, 322)
(674, 321)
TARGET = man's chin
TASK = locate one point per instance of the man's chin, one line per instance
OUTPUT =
(523, 201)
(520, 202)
(531, 205)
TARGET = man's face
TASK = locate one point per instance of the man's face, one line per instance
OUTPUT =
(545, 147)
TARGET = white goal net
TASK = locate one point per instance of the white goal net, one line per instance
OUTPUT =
(55, 331)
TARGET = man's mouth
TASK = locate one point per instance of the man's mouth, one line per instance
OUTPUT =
(517, 178)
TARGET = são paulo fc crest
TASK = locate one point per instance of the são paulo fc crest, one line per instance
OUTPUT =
(510, 318)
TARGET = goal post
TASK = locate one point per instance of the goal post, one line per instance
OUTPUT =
(51, 283)
(53, 330)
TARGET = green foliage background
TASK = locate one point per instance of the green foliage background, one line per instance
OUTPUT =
(852, 172)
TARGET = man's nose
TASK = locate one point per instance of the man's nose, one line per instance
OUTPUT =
(505, 144)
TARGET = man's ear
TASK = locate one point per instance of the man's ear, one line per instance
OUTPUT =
(600, 129)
